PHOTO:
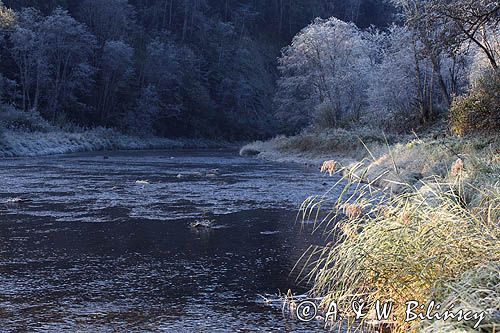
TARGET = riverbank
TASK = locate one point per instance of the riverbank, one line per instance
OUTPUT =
(314, 147)
(418, 219)
(18, 143)
(388, 161)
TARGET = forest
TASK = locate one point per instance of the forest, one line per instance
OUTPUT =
(171, 68)
(221, 69)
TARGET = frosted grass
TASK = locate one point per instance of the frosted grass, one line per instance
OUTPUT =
(17, 143)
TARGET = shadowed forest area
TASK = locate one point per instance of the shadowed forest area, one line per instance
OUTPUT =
(172, 68)
(221, 69)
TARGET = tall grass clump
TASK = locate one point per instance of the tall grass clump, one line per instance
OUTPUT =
(438, 241)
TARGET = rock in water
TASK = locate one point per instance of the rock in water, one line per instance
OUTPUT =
(202, 224)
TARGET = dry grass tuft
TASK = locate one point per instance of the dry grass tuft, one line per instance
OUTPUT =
(457, 168)
(353, 211)
(329, 166)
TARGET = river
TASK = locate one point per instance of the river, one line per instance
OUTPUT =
(102, 242)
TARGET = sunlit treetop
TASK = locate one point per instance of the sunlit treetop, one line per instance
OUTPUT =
(7, 17)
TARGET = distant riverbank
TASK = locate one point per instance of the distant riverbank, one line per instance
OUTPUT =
(18, 143)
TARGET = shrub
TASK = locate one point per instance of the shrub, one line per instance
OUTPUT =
(326, 116)
(480, 110)
(14, 119)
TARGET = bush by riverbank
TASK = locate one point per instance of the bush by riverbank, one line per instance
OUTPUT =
(419, 219)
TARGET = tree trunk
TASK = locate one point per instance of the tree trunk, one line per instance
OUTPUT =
(420, 89)
(442, 85)
(185, 24)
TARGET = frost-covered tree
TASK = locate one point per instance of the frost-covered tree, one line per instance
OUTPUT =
(115, 71)
(7, 17)
(444, 26)
(430, 34)
(404, 90)
(334, 73)
(142, 119)
(68, 47)
(393, 93)
(52, 54)
(108, 19)
(474, 22)
(322, 74)
(29, 52)
(7, 22)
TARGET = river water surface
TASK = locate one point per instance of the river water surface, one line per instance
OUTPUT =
(104, 243)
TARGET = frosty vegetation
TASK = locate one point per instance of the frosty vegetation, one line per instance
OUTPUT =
(336, 75)
(171, 68)
(211, 69)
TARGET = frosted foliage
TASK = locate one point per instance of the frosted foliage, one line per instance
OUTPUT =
(323, 68)
(393, 87)
(53, 56)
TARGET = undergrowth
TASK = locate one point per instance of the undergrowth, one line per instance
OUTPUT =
(438, 240)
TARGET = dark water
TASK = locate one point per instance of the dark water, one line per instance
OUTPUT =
(93, 250)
